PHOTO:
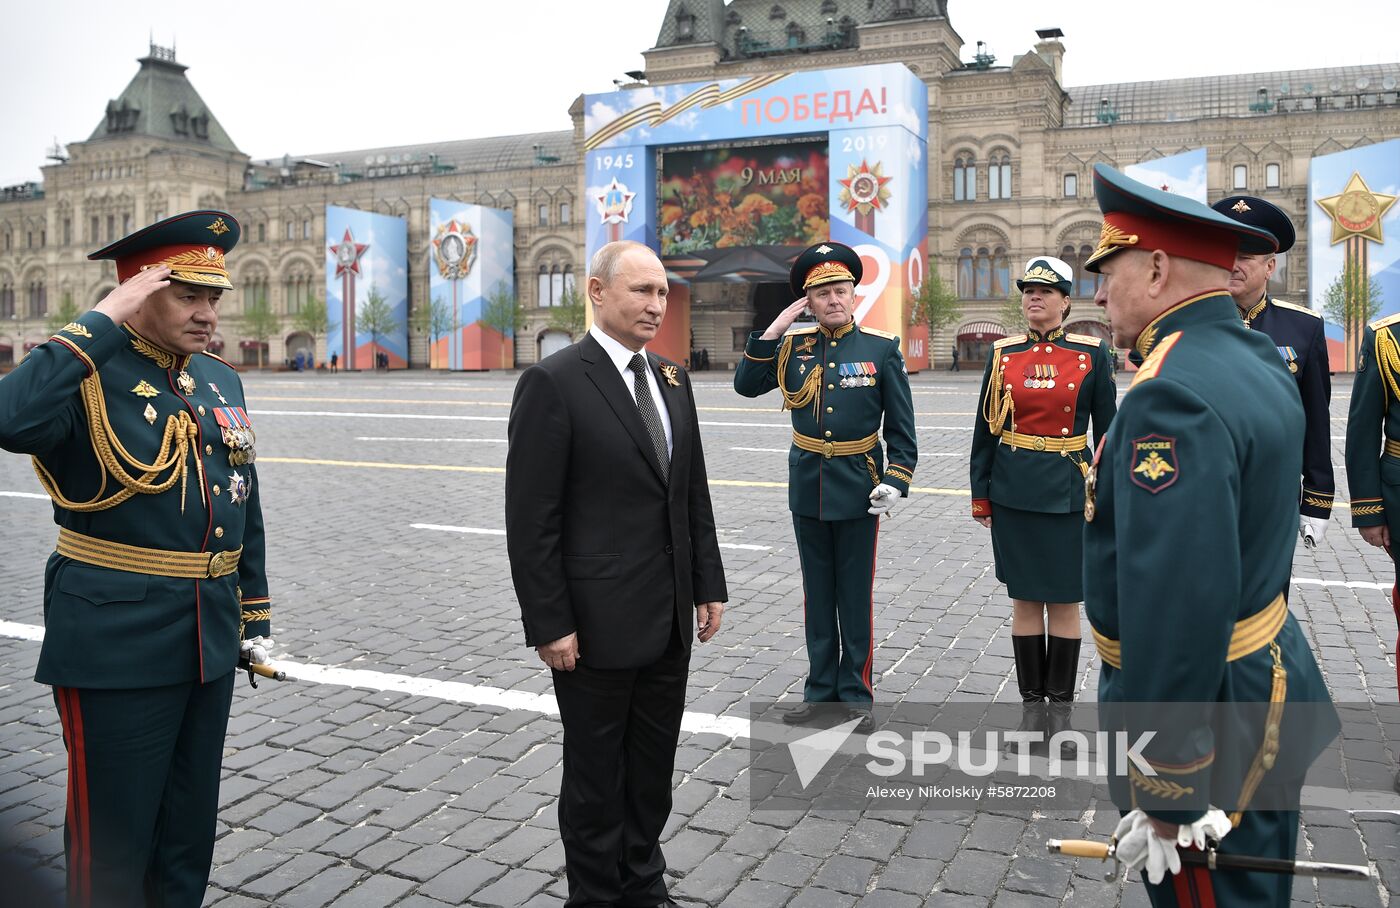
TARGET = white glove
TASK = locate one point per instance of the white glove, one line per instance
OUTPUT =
(1311, 529)
(882, 499)
(256, 649)
(1139, 844)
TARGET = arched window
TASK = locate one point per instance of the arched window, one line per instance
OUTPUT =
(982, 274)
(964, 178)
(965, 273)
(999, 175)
(38, 298)
(1271, 176)
(568, 278)
(1001, 274)
(556, 285)
(1086, 282)
(542, 288)
(255, 289)
(1240, 176)
(7, 298)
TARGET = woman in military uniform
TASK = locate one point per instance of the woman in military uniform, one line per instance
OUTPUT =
(1029, 452)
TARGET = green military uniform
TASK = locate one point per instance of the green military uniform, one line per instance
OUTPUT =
(1030, 448)
(1188, 551)
(157, 577)
(1373, 437)
(839, 385)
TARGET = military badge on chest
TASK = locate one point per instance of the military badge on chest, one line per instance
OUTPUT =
(1290, 358)
(238, 488)
(857, 375)
(1040, 375)
(238, 434)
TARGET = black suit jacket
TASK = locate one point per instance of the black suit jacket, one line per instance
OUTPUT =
(598, 542)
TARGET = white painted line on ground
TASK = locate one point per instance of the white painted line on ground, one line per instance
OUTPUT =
(764, 450)
(1349, 584)
(481, 531)
(342, 414)
(35, 495)
(454, 691)
(483, 441)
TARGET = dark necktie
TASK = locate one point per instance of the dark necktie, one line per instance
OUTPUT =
(651, 418)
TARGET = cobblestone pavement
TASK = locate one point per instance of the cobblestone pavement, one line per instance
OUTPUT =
(383, 789)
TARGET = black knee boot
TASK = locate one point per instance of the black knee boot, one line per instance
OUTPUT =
(1029, 650)
(1061, 676)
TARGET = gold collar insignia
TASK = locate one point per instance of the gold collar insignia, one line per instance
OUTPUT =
(840, 332)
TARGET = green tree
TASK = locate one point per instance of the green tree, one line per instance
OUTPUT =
(312, 318)
(261, 323)
(434, 320)
(502, 313)
(66, 312)
(376, 317)
(1011, 314)
(571, 316)
(1352, 300)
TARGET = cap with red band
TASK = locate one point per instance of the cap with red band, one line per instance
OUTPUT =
(1136, 216)
(192, 245)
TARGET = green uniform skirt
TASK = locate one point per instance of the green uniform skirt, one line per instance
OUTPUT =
(1040, 557)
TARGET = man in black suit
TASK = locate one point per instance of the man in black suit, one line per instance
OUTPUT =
(616, 565)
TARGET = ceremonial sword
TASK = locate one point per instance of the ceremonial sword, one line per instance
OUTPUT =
(1214, 860)
(258, 668)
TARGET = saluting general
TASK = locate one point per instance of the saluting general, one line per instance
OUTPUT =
(142, 440)
(1188, 551)
(841, 381)
(1302, 346)
(1030, 452)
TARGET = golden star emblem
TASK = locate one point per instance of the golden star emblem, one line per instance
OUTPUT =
(1356, 211)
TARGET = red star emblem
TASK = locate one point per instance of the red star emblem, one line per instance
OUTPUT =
(865, 188)
(347, 255)
(615, 204)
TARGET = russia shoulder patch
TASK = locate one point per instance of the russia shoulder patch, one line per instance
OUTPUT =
(1154, 464)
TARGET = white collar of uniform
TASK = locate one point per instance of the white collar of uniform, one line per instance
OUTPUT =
(620, 355)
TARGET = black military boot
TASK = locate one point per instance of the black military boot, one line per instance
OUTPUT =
(1029, 650)
(1061, 674)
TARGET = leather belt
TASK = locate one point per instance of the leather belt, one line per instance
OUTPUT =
(1045, 442)
(830, 449)
(1249, 636)
(1392, 447)
(137, 560)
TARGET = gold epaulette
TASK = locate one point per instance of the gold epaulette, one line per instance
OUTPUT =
(219, 358)
(1384, 322)
(1295, 307)
(1008, 341)
(878, 333)
(807, 330)
(1091, 340)
(1153, 364)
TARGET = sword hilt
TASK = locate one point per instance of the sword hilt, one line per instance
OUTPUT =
(1083, 848)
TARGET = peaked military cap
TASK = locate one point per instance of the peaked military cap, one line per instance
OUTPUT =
(824, 263)
(192, 244)
(1136, 216)
(1048, 270)
(1248, 210)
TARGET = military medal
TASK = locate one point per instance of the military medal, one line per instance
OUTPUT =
(150, 414)
(1091, 482)
(237, 433)
(217, 393)
(237, 488)
(185, 381)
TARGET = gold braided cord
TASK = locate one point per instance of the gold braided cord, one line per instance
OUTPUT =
(997, 407)
(1268, 748)
(810, 391)
(1388, 362)
(178, 443)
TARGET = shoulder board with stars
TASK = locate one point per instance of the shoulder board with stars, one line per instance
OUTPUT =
(878, 333)
(808, 329)
(1295, 307)
(1090, 340)
(1009, 341)
(1385, 322)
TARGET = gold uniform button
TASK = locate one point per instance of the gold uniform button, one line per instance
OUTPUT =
(1082, 357)
(833, 343)
(217, 490)
(828, 433)
(1066, 409)
(1036, 348)
(1006, 359)
(201, 409)
(829, 410)
(1071, 386)
(218, 532)
(831, 365)
(1082, 367)
(831, 387)
(209, 449)
(1049, 349)
(1064, 431)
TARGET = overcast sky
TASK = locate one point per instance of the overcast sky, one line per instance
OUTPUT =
(305, 78)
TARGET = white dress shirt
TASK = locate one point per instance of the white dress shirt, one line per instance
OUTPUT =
(621, 358)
